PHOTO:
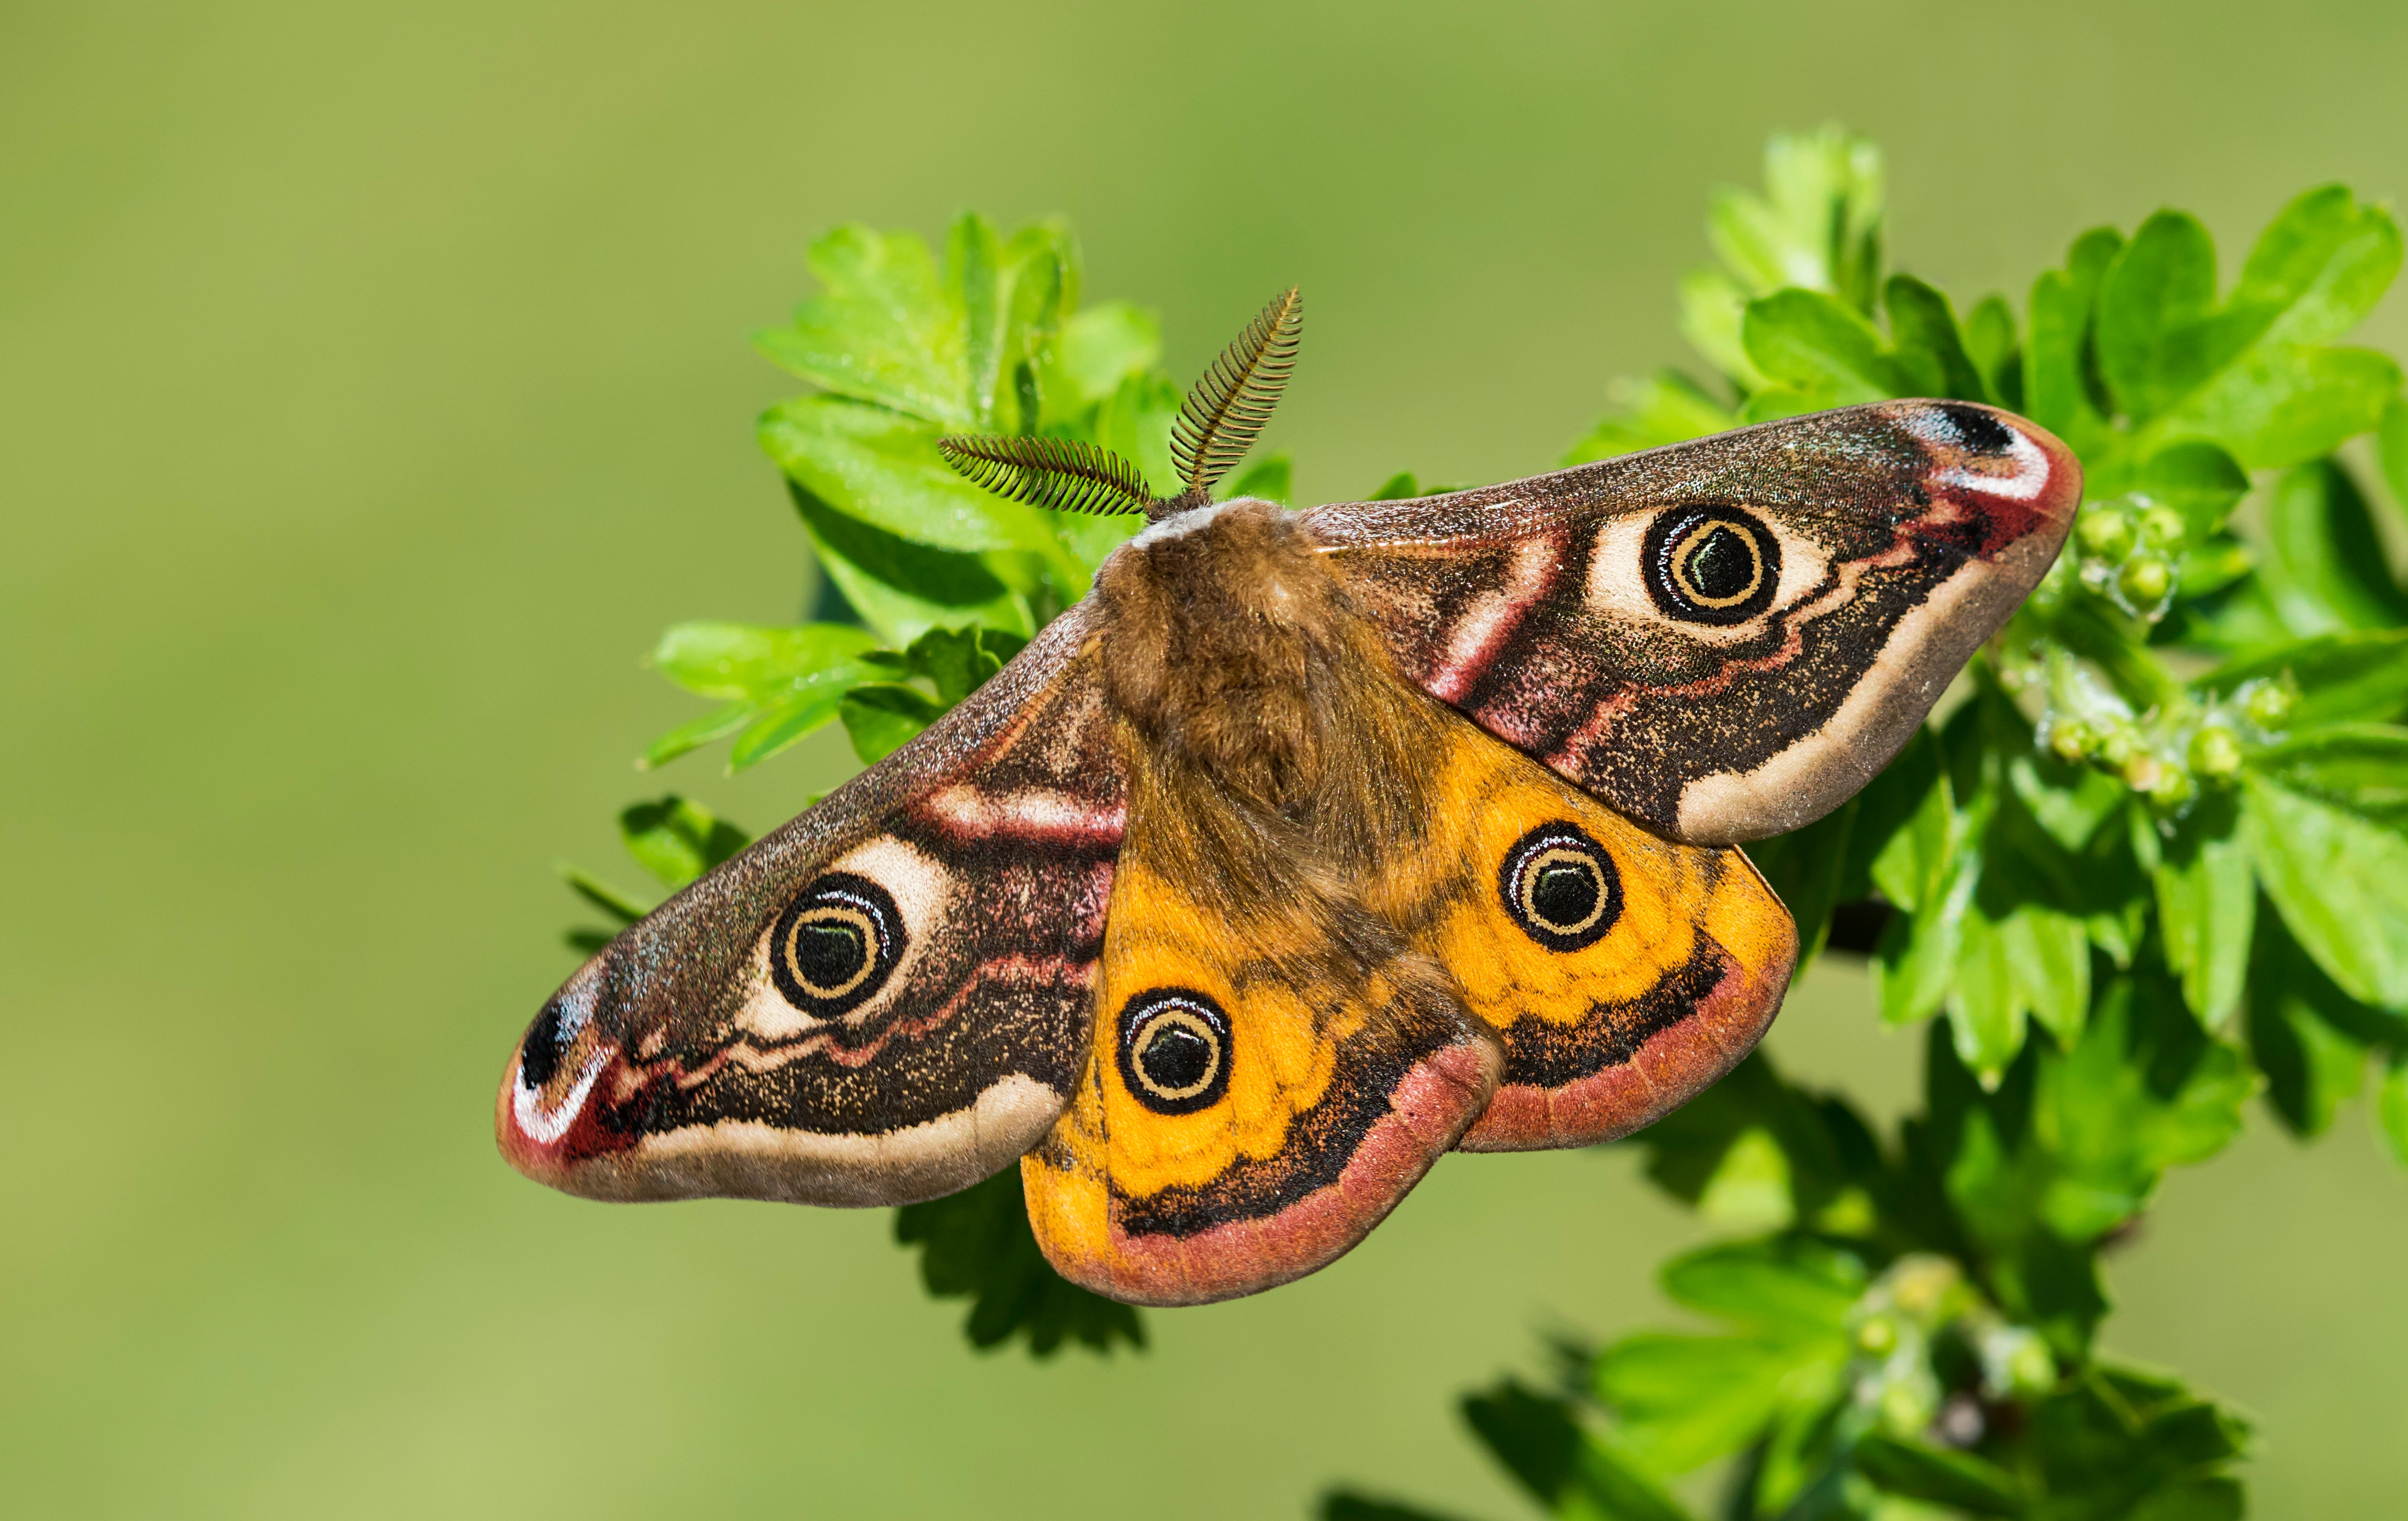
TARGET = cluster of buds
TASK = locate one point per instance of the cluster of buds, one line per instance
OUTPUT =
(2165, 753)
(1916, 1311)
(2130, 550)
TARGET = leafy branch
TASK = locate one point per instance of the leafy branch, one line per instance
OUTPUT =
(2151, 858)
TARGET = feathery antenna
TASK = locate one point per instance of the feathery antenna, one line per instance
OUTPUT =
(1223, 416)
(1061, 473)
(1216, 425)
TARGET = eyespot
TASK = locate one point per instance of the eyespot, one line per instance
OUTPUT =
(835, 944)
(1711, 565)
(1561, 887)
(1174, 1050)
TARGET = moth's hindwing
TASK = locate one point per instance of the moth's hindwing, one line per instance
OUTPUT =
(1723, 640)
(1272, 1067)
(885, 1000)
(1623, 971)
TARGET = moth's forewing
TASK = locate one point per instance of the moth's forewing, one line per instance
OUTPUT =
(1723, 640)
(884, 1000)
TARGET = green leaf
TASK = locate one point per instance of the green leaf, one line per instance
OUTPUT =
(1786, 1289)
(1350, 1505)
(1818, 346)
(1619, 1489)
(1817, 225)
(884, 331)
(2057, 389)
(976, 284)
(1986, 1010)
(1012, 297)
(678, 840)
(2392, 451)
(2197, 479)
(902, 589)
(1135, 424)
(1938, 1477)
(2141, 1093)
(2324, 564)
(2206, 897)
(1396, 488)
(2320, 265)
(1533, 1437)
(1670, 408)
(1102, 347)
(2341, 678)
(785, 682)
(758, 665)
(694, 733)
(1807, 868)
(883, 469)
(976, 1244)
(2156, 340)
(882, 716)
(2391, 1107)
(624, 908)
(957, 661)
(1681, 1402)
(1272, 477)
(2281, 405)
(2249, 373)
(1713, 307)
(2360, 768)
(1990, 343)
(2342, 885)
(2308, 1036)
(782, 725)
(1910, 817)
(1930, 353)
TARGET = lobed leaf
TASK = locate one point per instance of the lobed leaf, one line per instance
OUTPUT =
(883, 331)
(2340, 881)
(2323, 565)
(2207, 897)
(678, 840)
(902, 589)
(976, 1244)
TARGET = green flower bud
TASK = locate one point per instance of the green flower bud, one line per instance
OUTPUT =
(2268, 704)
(2171, 787)
(2215, 751)
(2163, 528)
(2072, 739)
(2144, 579)
(2105, 532)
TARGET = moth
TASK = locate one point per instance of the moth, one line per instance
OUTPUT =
(1309, 845)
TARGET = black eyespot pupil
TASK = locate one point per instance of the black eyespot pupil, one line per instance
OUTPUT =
(1722, 566)
(1176, 1057)
(540, 1057)
(829, 954)
(1565, 893)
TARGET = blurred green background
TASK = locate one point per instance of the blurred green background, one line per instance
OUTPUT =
(374, 387)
